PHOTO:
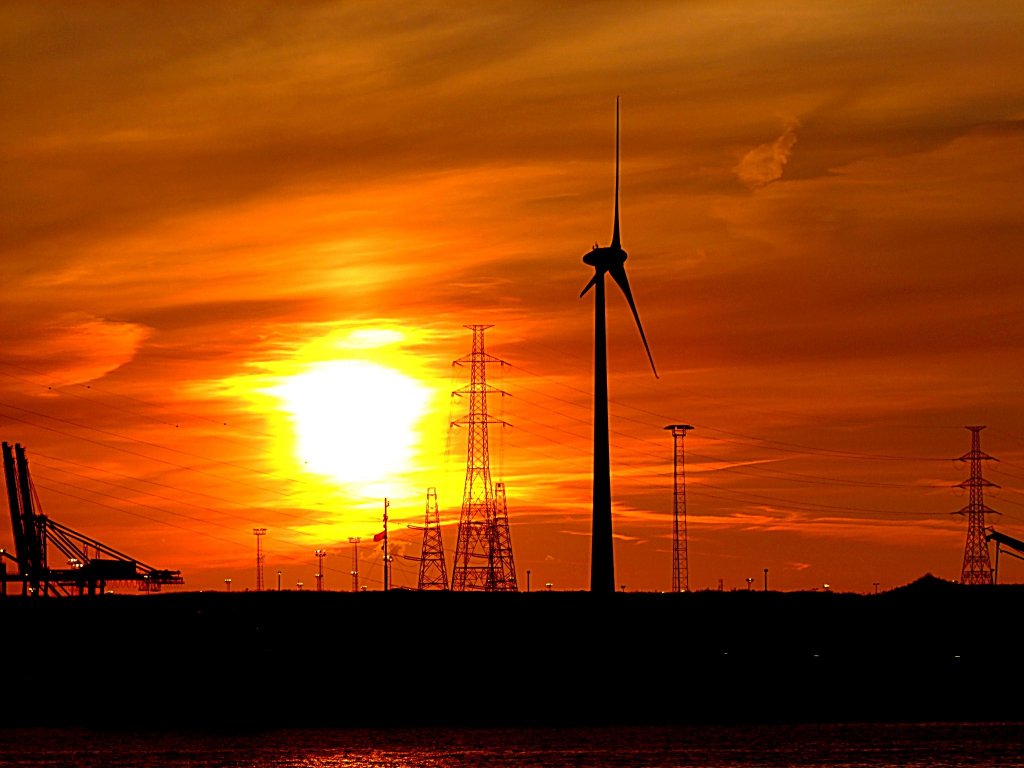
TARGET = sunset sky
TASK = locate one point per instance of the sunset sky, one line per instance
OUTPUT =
(241, 242)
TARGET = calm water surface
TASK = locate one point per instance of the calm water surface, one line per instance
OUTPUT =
(842, 746)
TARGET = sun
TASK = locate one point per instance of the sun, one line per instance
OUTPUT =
(353, 421)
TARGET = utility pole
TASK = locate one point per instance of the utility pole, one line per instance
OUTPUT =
(483, 553)
(259, 533)
(354, 541)
(320, 555)
(387, 552)
(977, 567)
(680, 553)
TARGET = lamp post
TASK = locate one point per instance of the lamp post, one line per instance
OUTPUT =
(227, 584)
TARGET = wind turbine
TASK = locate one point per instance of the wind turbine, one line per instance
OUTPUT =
(610, 260)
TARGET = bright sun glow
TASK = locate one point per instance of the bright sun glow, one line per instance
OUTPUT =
(354, 421)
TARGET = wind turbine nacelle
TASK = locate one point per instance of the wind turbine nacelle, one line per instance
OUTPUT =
(605, 258)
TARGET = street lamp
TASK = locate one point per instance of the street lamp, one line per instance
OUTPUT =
(749, 582)
(227, 584)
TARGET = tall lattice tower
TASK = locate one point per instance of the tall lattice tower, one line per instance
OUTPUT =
(977, 568)
(433, 571)
(479, 564)
(680, 542)
(259, 533)
(504, 564)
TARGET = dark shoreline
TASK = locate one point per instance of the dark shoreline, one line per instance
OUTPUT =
(929, 651)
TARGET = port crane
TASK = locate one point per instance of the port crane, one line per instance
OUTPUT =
(1015, 548)
(90, 564)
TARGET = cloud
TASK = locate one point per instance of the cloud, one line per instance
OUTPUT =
(76, 348)
(765, 163)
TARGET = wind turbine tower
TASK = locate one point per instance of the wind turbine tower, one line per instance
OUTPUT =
(479, 562)
(680, 543)
(977, 567)
(609, 260)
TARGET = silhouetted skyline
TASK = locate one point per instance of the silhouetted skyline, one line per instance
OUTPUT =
(241, 245)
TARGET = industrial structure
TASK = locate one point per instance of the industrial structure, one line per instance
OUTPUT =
(433, 573)
(483, 549)
(680, 543)
(91, 566)
(977, 566)
(1016, 549)
(259, 533)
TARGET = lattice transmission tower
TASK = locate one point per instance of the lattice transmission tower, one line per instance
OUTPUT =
(977, 567)
(504, 563)
(680, 542)
(259, 533)
(483, 555)
(433, 571)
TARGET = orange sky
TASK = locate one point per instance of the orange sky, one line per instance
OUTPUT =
(241, 242)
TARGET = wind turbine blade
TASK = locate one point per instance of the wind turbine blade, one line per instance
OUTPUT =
(615, 229)
(619, 275)
(593, 281)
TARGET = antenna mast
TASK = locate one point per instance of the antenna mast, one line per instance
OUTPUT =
(259, 533)
(680, 554)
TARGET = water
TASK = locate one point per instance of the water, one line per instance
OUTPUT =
(840, 746)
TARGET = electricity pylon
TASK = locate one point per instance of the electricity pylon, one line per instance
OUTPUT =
(433, 572)
(504, 564)
(977, 567)
(479, 562)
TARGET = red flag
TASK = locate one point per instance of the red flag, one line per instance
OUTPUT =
(380, 536)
